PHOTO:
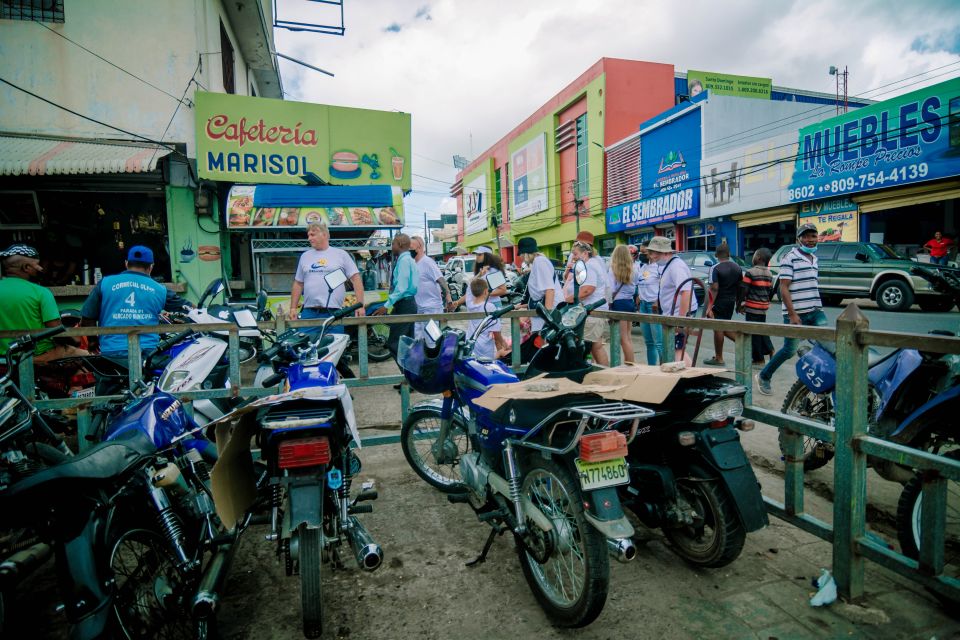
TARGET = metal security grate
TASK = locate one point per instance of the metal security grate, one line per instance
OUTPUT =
(39, 10)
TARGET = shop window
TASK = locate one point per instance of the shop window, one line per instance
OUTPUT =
(582, 184)
(19, 210)
(227, 61)
(701, 237)
(497, 192)
(39, 10)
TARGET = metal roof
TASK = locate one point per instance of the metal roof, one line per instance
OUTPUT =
(36, 156)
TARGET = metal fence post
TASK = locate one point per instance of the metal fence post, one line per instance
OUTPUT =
(134, 359)
(850, 464)
(515, 342)
(614, 342)
(363, 349)
(743, 365)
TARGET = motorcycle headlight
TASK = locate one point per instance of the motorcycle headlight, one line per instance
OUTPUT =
(173, 379)
(720, 410)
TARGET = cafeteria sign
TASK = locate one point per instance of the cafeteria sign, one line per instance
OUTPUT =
(261, 140)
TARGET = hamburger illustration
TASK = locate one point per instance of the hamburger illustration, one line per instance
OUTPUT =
(208, 252)
(345, 165)
(240, 209)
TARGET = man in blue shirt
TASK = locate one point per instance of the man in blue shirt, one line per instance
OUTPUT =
(131, 298)
(403, 291)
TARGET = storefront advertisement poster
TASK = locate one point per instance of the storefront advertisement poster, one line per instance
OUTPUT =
(725, 84)
(475, 205)
(530, 194)
(836, 220)
(242, 214)
(261, 140)
(669, 176)
(908, 139)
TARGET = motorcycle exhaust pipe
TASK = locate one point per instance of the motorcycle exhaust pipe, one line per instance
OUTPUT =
(211, 583)
(23, 563)
(622, 549)
(368, 553)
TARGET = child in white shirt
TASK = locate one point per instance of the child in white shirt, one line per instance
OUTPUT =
(477, 300)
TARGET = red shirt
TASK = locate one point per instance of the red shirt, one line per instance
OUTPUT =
(938, 248)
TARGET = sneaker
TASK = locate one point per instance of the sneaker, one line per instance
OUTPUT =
(713, 362)
(763, 386)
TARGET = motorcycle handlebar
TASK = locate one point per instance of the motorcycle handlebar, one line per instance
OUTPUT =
(502, 311)
(346, 311)
(165, 344)
(570, 342)
(594, 305)
(26, 343)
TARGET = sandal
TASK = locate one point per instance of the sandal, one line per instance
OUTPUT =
(713, 362)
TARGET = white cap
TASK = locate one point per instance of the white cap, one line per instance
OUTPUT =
(482, 249)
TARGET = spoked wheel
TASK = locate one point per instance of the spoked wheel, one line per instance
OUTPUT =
(800, 401)
(438, 463)
(909, 527)
(377, 335)
(311, 602)
(151, 598)
(572, 581)
(716, 535)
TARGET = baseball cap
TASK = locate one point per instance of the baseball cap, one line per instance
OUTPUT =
(804, 228)
(24, 250)
(482, 249)
(140, 253)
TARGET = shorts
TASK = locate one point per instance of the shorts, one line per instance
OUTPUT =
(595, 330)
(723, 309)
(624, 305)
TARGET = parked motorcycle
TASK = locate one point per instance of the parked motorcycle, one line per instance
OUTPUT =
(305, 438)
(131, 522)
(945, 280)
(913, 399)
(545, 470)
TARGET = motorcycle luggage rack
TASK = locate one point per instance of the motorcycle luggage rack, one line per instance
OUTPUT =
(609, 412)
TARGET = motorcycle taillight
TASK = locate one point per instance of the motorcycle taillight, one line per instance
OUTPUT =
(82, 379)
(307, 452)
(605, 445)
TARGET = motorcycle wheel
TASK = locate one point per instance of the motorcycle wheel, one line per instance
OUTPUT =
(571, 585)
(716, 536)
(311, 603)
(800, 401)
(419, 439)
(150, 598)
(377, 335)
(909, 511)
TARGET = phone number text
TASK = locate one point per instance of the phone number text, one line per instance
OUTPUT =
(861, 182)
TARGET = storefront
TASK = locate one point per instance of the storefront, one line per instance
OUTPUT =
(907, 218)
(83, 204)
(771, 229)
(283, 165)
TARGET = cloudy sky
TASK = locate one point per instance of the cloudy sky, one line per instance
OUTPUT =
(470, 70)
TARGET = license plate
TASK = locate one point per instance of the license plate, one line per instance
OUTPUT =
(85, 393)
(597, 475)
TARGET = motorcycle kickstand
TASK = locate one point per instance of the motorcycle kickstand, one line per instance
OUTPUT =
(494, 532)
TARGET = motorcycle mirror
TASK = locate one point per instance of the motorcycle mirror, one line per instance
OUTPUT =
(261, 303)
(580, 272)
(496, 280)
(433, 330)
(214, 289)
(335, 278)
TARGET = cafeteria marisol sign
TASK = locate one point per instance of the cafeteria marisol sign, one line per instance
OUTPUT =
(260, 140)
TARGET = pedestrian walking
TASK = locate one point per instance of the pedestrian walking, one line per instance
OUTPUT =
(756, 291)
(800, 293)
(622, 280)
(939, 248)
(433, 294)
(675, 294)
(592, 290)
(309, 282)
(725, 279)
(403, 291)
(648, 288)
(543, 287)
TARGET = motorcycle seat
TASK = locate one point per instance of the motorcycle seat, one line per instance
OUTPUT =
(100, 464)
(530, 413)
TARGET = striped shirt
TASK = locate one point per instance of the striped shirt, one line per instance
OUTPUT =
(756, 289)
(804, 276)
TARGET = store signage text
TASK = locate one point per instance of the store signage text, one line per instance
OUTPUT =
(659, 208)
(220, 127)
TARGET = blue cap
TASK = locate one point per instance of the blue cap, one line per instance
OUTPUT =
(140, 254)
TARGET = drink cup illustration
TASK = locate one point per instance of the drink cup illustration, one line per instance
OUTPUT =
(397, 164)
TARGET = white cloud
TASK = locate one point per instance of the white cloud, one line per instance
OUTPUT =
(477, 69)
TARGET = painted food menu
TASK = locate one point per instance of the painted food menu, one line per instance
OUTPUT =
(242, 214)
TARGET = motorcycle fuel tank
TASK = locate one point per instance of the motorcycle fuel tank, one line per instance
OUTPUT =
(160, 416)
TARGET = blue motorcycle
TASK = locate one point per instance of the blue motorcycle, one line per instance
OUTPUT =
(545, 470)
(913, 399)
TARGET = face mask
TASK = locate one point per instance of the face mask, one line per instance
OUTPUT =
(413, 252)
(643, 259)
(808, 250)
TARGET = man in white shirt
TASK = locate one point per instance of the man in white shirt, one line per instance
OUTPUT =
(674, 275)
(593, 289)
(320, 259)
(432, 291)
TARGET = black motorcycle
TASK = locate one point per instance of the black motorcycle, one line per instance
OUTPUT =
(945, 280)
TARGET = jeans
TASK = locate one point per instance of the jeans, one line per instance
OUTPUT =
(652, 334)
(814, 318)
(312, 314)
(942, 260)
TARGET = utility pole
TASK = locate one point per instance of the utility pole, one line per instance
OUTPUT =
(834, 71)
(578, 202)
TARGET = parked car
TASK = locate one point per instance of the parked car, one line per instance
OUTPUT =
(869, 270)
(701, 263)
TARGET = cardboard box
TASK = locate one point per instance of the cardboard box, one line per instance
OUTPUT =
(642, 383)
(535, 389)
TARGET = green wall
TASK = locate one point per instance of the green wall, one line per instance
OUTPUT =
(184, 232)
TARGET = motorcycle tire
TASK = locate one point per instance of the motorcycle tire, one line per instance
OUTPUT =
(716, 537)
(150, 597)
(377, 350)
(800, 401)
(909, 529)
(311, 602)
(571, 585)
(419, 439)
